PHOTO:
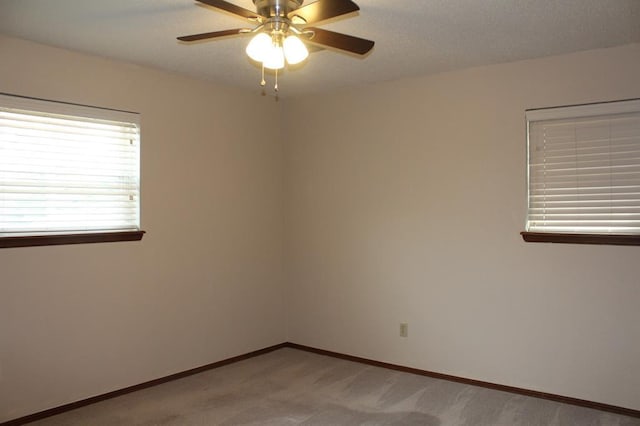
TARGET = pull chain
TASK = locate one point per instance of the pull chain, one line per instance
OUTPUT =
(276, 86)
(263, 83)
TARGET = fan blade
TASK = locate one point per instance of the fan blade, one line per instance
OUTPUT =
(324, 9)
(231, 8)
(340, 41)
(215, 34)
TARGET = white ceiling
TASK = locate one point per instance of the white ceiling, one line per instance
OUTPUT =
(413, 37)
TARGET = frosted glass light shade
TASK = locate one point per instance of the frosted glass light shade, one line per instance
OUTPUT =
(274, 59)
(294, 50)
(259, 46)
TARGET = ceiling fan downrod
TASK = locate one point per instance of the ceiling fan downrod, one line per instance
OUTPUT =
(276, 8)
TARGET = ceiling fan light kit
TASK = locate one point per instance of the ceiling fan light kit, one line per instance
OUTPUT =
(282, 31)
(272, 51)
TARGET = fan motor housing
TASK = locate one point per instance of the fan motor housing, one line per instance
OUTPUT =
(273, 8)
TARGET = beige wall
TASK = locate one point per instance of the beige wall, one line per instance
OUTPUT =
(204, 284)
(404, 203)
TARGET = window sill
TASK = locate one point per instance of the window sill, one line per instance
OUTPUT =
(63, 239)
(615, 240)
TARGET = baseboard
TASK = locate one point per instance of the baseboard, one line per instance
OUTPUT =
(72, 406)
(520, 391)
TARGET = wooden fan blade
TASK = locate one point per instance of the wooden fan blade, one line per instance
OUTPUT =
(324, 9)
(215, 34)
(340, 41)
(231, 8)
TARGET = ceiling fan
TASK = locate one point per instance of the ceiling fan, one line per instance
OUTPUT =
(283, 31)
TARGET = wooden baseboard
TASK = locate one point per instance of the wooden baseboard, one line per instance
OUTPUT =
(72, 406)
(536, 394)
(520, 391)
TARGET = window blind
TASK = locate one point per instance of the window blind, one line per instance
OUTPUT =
(67, 168)
(584, 169)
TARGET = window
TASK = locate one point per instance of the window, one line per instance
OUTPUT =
(68, 173)
(584, 174)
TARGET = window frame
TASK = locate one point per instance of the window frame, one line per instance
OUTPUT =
(587, 110)
(46, 238)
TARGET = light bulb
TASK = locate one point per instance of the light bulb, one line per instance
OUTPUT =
(294, 50)
(259, 46)
(274, 59)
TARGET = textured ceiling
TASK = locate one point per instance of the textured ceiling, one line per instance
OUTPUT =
(413, 37)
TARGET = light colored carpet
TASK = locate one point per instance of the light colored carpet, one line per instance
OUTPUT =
(292, 387)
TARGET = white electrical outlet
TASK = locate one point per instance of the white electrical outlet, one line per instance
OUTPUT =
(404, 329)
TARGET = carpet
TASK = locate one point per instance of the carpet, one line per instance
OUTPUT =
(293, 387)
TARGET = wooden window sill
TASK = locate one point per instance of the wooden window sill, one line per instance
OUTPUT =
(63, 239)
(616, 240)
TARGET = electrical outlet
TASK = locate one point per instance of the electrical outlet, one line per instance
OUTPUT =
(404, 329)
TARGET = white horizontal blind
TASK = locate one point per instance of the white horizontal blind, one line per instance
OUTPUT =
(584, 169)
(67, 168)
